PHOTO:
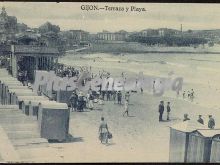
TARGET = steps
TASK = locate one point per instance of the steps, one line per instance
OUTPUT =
(22, 132)
(42, 154)
(30, 143)
(4, 107)
(7, 151)
(19, 134)
(20, 127)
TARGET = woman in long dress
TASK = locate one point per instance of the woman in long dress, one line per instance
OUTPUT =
(103, 131)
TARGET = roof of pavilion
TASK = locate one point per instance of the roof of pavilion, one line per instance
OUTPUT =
(30, 49)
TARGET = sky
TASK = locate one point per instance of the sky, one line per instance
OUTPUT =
(69, 15)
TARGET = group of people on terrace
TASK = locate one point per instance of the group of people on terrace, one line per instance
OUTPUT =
(66, 71)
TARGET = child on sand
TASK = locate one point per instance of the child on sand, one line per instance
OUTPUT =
(126, 108)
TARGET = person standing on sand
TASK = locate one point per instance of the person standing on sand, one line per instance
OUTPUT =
(119, 95)
(73, 101)
(136, 82)
(114, 95)
(103, 95)
(80, 102)
(177, 93)
(168, 110)
(126, 108)
(188, 94)
(127, 96)
(211, 123)
(103, 131)
(91, 99)
(192, 95)
(100, 101)
(142, 90)
(161, 110)
(184, 94)
(108, 95)
(154, 90)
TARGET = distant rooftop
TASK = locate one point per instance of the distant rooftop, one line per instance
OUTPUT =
(29, 49)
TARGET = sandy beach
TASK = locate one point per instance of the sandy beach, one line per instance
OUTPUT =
(141, 137)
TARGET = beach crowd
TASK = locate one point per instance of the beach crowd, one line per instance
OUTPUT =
(80, 101)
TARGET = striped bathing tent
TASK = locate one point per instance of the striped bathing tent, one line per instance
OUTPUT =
(193, 142)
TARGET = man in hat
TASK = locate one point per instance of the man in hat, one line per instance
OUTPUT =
(73, 101)
(200, 120)
(211, 123)
(161, 110)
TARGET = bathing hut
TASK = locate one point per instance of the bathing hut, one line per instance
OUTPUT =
(181, 136)
(213, 149)
(53, 120)
(193, 142)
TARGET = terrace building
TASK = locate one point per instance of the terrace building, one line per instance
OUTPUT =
(109, 36)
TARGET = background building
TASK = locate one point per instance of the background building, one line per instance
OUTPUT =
(8, 26)
(74, 38)
(109, 36)
(149, 32)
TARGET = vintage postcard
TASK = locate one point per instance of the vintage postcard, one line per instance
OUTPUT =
(109, 82)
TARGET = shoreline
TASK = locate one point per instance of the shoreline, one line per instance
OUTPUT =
(132, 47)
(156, 52)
